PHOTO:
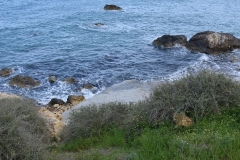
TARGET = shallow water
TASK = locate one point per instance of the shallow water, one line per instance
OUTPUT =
(42, 38)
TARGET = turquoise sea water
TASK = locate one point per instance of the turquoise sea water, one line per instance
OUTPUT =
(42, 38)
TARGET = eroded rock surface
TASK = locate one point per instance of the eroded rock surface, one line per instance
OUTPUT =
(74, 100)
(213, 42)
(168, 41)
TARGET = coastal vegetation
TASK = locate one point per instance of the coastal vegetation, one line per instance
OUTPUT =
(145, 130)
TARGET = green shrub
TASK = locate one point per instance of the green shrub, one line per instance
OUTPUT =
(22, 132)
(94, 120)
(197, 95)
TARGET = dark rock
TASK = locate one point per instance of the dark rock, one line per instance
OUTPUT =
(168, 41)
(56, 101)
(70, 80)
(112, 7)
(213, 42)
(5, 72)
(99, 24)
(52, 79)
(24, 81)
(74, 100)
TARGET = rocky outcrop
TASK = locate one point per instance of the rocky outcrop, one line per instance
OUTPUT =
(53, 122)
(52, 79)
(74, 100)
(112, 7)
(213, 42)
(70, 80)
(168, 41)
(5, 72)
(24, 81)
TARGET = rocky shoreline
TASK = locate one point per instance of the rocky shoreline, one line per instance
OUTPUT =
(57, 112)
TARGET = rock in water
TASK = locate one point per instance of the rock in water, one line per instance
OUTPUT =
(56, 101)
(70, 80)
(24, 81)
(168, 41)
(52, 79)
(5, 72)
(99, 24)
(112, 7)
(213, 42)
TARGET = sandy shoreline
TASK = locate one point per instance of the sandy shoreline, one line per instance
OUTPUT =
(125, 92)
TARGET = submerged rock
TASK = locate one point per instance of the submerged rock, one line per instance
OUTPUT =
(88, 86)
(168, 41)
(213, 42)
(24, 81)
(74, 100)
(52, 79)
(5, 72)
(112, 7)
(70, 80)
(99, 24)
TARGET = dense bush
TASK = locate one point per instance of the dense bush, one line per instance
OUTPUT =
(94, 120)
(197, 95)
(22, 132)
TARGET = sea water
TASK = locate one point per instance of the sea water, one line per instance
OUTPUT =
(49, 37)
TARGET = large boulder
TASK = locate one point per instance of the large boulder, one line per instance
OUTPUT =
(213, 42)
(168, 41)
(112, 7)
(24, 81)
(5, 72)
(74, 100)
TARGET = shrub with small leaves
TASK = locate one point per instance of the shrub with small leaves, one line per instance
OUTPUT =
(197, 95)
(94, 120)
(23, 133)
